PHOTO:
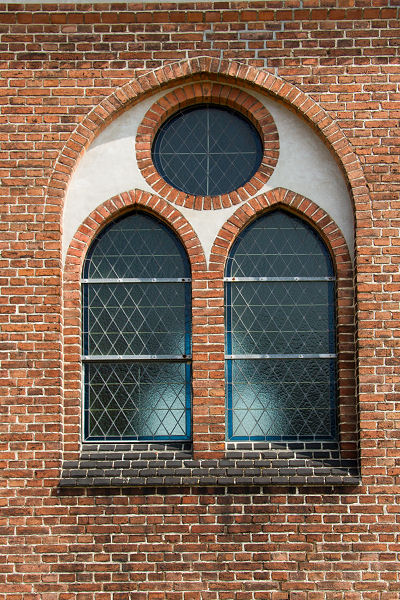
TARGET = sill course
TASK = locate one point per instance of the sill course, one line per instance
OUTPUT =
(171, 464)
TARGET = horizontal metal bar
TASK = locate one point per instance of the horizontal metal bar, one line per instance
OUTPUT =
(262, 356)
(279, 278)
(139, 280)
(196, 153)
(135, 357)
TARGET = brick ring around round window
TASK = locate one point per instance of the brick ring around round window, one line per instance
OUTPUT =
(217, 96)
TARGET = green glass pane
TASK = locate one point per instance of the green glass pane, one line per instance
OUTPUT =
(136, 400)
(136, 245)
(282, 317)
(228, 167)
(207, 150)
(231, 133)
(185, 171)
(139, 318)
(282, 398)
(184, 133)
(279, 244)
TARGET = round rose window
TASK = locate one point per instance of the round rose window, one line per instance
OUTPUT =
(207, 150)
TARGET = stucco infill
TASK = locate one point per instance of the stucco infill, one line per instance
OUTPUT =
(305, 166)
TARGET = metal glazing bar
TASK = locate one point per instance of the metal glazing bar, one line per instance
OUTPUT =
(279, 278)
(139, 280)
(262, 356)
(135, 357)
(212, 153)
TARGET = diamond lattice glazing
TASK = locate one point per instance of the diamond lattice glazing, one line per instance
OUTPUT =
(281, 398)
(148, 400)
(282, 317)
(140, 318)
(129, 312)
(279, 245)
(207, 150)
(136, 246)
(271, 396)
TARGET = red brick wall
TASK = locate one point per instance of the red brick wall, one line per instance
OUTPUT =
(336, 63)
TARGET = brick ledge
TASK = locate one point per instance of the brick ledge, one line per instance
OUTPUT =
(122, 465)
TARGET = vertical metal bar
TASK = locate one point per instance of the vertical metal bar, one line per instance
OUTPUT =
(333, 396)
(188, 319)
(208, 151)
(86, 386)
(188, 400)
(228, 362)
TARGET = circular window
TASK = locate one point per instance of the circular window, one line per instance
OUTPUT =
(207, 150)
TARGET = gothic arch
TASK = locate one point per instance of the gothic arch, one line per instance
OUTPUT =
(78, 248)
(196, 69)
(335, 241)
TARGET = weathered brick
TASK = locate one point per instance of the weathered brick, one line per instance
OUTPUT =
(208, 521)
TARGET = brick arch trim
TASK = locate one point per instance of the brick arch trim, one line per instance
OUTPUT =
(113, 208)
(345, 321)
(196, 69)
(300, 206)
(86, 233)
(223, 95)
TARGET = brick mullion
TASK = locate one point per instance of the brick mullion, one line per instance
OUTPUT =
(208, 367)
(79, 246)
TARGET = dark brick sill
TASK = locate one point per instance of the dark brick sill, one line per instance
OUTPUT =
(271, 463)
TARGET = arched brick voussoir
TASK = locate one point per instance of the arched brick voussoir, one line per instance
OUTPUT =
(196, 69)
(86, 233)
(113, 208)
(223, 95)
(298, 205)
(345, 313)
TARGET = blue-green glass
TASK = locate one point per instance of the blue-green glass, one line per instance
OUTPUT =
(137, 245)
(207, 150)
(279, 244)
(282, 398)
(184, 133)
(282, 317)
(139, 318)
(234, 164)
(185, 172)
(136, 401)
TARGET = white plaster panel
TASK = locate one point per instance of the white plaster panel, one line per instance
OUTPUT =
(305, 166)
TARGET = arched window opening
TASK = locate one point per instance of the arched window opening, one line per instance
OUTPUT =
(136, 290)
(280, 333)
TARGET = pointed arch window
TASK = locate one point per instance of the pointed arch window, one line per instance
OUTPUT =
(136, 291)
(280, 339)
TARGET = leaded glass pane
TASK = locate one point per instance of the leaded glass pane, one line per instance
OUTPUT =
(131, 401)
(275, 390)
(281, 398)
(279, 245)
(282, 317)
(129, 310)
(189, 173)
(233, 164)
(136, 246)
(207, 150)
(139, 318)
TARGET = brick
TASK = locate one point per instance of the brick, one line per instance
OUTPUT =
(209, 520)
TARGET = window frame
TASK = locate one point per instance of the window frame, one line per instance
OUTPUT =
(223, 95)
(230, 356)
(83, 461)
(88, 359)
(166, 135)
